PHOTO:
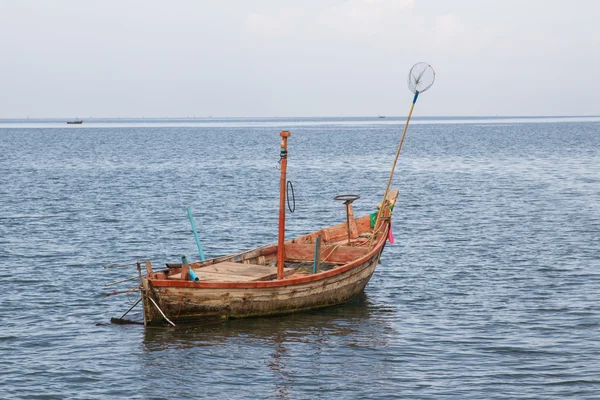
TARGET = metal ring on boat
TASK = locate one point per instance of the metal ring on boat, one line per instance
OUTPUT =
(289, 185)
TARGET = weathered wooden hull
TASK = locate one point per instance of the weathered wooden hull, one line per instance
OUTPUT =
(192, 304)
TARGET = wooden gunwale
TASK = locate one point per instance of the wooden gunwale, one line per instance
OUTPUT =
(276, 283)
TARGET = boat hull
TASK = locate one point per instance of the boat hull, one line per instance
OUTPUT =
(188, 304)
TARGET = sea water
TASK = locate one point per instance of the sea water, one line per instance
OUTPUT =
(491, 291)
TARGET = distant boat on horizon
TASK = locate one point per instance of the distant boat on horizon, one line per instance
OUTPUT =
(75, 122)
(381, 116)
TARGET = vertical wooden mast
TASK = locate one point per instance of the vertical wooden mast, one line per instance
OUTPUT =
(282, 186)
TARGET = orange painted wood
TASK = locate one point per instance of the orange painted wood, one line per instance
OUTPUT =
(282, 187)
(363, 224)
(268, 250)
(185, 272)
(148, 268)
(334, 254)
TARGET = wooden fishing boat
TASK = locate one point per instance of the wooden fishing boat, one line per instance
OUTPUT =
(246, 284)
(324, 268)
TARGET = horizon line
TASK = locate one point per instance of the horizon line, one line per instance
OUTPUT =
(29, 118)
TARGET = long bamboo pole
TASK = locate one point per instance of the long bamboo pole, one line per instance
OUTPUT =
(282, 185)
(387, 188)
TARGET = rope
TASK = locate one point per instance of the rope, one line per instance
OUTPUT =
(331, 252)
(160, 311)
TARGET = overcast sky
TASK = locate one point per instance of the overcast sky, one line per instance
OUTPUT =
(61, 58)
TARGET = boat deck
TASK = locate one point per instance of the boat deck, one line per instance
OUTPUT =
(235, 272)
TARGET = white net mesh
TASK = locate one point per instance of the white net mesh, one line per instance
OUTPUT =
(420, 77)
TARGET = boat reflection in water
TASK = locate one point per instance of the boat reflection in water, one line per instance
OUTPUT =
(273, 351)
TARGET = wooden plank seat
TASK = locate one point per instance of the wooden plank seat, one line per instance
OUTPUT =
(235, 272)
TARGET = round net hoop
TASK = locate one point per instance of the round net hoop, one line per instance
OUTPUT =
(420, 77)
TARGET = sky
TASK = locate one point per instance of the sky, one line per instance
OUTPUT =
(280, 58)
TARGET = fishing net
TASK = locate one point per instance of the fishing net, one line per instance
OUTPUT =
(420, 77)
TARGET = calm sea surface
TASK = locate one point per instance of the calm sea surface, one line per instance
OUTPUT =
(492, 290)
